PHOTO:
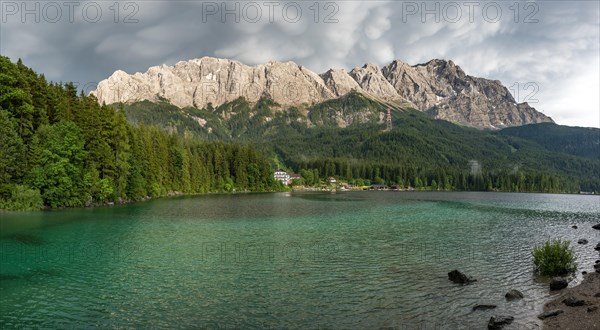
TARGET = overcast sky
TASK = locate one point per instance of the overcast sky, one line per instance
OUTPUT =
(545, 52)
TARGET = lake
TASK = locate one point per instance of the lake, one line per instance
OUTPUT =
(354, 260)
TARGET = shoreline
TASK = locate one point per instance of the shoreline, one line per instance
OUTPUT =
(412, 189)
(122, 202)
(299, 189)
(584, 316)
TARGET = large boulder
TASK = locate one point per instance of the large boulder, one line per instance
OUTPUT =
(582, 241)
(597, 248)
(513, 295)
(596, 226)
(497, 322)
(558, 283)
(459, 277)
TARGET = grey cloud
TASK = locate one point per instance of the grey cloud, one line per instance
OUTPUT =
(559, 53)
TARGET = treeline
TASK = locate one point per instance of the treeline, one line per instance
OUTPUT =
(60, 149)
(365, 173)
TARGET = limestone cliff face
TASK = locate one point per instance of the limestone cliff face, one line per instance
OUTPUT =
(443, 90)
(210, 80)
(438, 87)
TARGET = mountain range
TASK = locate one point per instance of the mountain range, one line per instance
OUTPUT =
(439, 88)
(61, 149)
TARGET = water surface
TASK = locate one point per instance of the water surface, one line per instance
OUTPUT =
(356, 260)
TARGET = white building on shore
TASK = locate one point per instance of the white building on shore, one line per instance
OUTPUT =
(282, 176)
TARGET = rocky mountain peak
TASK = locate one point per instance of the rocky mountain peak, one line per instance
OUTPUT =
(370, 67)
(439, 87)
(370, 78)
(340, 82)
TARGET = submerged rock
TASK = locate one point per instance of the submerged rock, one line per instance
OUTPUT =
(597, 248)
(558, 283)
(513, 295)
(28, 239)
(582, 241)
(596, 226)
(483, 307)
(497, 322)
(7, 277)
(459, 277)
(551, 313)
(573, 301)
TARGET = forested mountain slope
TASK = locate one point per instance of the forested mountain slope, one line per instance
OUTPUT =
(578, 141)
(416, 147)
(60, 149)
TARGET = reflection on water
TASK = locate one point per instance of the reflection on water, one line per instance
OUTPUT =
(301, 260)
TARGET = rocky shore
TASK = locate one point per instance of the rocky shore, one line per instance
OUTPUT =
(577, 307)
(570, 308)
(580, 306)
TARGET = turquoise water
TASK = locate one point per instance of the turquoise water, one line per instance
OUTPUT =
(356, 260)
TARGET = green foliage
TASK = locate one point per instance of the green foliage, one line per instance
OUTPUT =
(59, 176)
(66, 149)
(577, 141)
(419, 151)
(21, 198)
(11, 150)
(554, 257)
(22, 95)
(106, 189)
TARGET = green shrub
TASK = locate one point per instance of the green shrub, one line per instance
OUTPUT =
(555, 257)
(22, 198)
(106, 189)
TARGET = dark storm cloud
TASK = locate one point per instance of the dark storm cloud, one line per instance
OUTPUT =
(546, 52)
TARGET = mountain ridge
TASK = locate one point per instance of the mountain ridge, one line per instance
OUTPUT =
(439, 88)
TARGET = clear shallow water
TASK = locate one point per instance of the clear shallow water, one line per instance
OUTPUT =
(304, 260)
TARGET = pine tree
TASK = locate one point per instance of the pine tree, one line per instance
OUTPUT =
(11, 151)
